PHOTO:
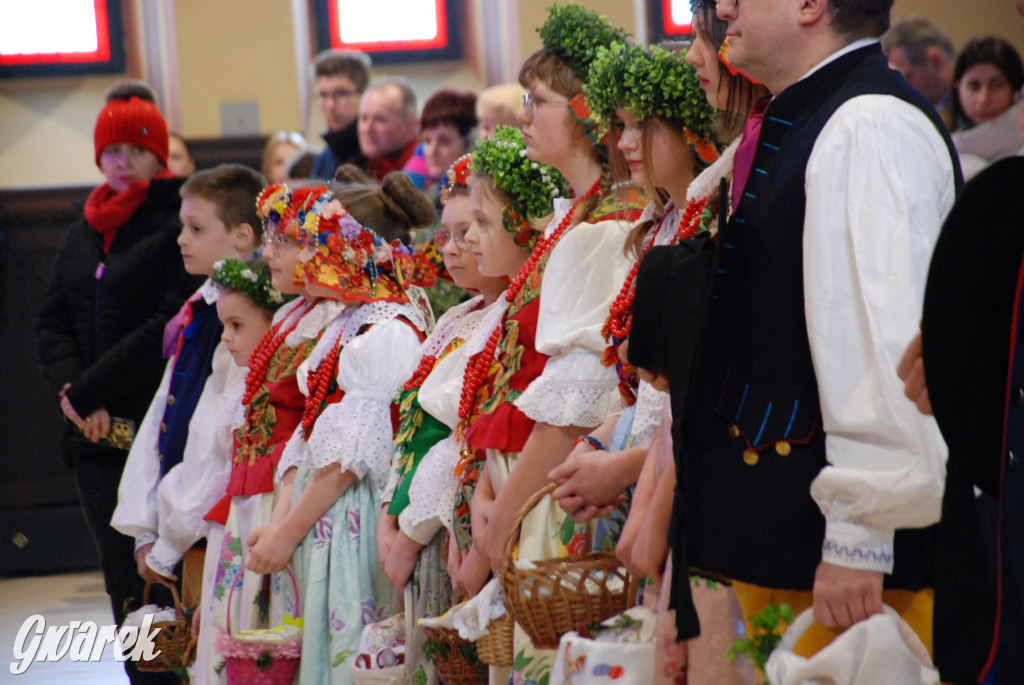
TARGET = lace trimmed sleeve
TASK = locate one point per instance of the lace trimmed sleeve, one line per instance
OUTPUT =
(581, 279)
(431, 496)
(356, 432)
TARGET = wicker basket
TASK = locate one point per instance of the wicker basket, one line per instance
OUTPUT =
(560, 594)
(495, 648)
(173, 642)
(453, 667)
(250, 662)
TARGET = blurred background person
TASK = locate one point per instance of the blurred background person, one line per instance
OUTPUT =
(923, 53)
(179, 155)
(278, 152)
(986, 103)
(446, 124)
(498, 106)
(341, 78)
(388, 126)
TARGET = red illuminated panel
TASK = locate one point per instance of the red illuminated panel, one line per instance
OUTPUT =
(100, 54)
(670, 27)
(437, 41)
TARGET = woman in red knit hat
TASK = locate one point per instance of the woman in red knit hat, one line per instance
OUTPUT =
(118, 278)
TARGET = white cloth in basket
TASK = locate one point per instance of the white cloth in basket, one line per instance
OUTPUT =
(880, 649)
(622, 654)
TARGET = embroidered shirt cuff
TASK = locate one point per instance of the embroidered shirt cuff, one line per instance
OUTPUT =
(156, 565)
(164, 556)
(145, 539)
(855, 546)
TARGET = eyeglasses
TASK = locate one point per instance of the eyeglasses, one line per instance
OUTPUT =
(338, 94)
(531, 102)
(441, 237)
(271, 236)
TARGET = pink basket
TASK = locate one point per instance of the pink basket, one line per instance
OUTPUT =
(247, 662)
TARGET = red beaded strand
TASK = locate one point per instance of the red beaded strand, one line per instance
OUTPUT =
(478, 367)
(620, 314)
(422, 371)
(259, 362)
(318, 381)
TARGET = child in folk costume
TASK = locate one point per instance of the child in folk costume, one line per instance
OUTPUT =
(246, 302)
(664, 138)
(420, 497)
(668, 139)
(540, 378)
(273, 407)
(337, 460)
(171, 480)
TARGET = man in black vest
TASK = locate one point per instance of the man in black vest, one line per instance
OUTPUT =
(798, 455)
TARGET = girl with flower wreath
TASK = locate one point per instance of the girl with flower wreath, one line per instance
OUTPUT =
(664, 136)
(336, 462)
(272, 407)
(644, 542)
(420, 497)
(539, 382)
(246, 303)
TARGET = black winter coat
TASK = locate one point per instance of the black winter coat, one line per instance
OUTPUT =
(101, 323)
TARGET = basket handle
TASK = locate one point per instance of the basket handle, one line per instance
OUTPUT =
(179, 611)
(528, 505)
(241, 570)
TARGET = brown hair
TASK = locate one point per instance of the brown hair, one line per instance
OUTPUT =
(352, 64)
(392, 209)
(233, 190)
(548, 68)
(860, 18)
(450, 107)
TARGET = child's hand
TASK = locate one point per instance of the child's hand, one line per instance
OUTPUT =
(387, 531)
(472, 573)
(196, 619)
(587, 481)
(402, 560)
(147, 573)
(454, 564)
(270, 549)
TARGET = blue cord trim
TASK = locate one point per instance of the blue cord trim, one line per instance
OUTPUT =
(764, 421)
(792, 418)
(743, 401)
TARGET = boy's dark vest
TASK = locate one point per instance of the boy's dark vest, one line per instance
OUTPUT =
(192, 366)
(752, 440)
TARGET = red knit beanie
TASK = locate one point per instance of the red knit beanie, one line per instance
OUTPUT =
(134, 121)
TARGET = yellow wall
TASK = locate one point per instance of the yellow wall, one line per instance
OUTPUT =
(236, 52)
(244, 50)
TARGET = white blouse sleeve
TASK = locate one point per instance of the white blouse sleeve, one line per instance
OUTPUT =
(879, 183)
(191, 488)
(136, 513)
(432, 493)
(582, 277)
(649, 404)
(356, 433)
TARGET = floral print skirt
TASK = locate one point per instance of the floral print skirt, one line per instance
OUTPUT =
(341, 584)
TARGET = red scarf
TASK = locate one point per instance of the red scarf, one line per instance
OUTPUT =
(107, 211)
